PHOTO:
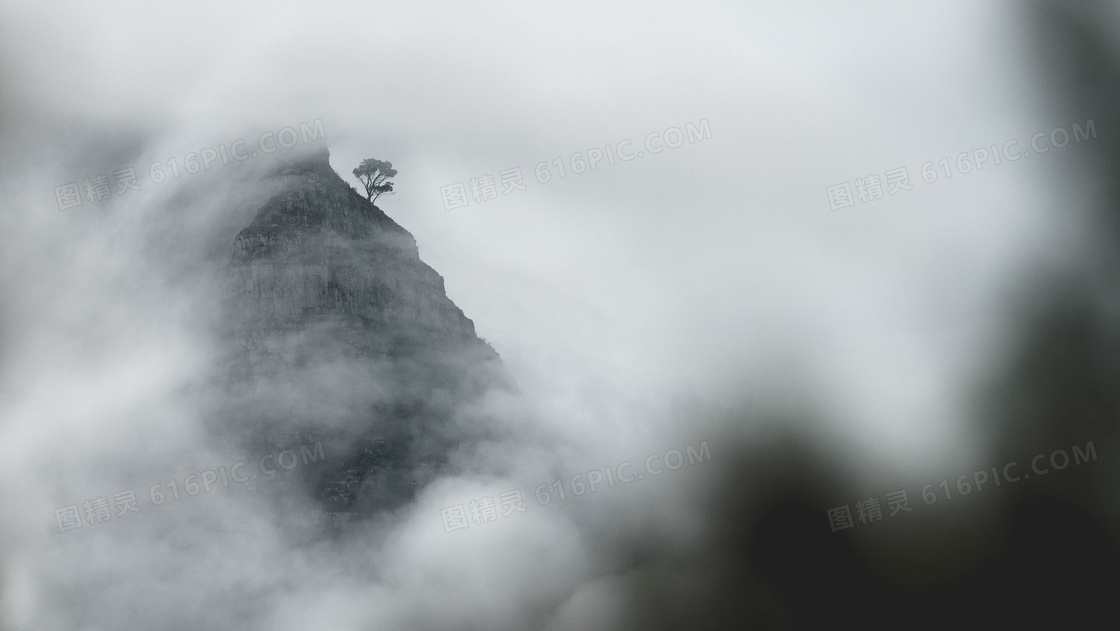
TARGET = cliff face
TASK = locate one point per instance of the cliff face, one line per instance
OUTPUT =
(321, 264)
(338, 332)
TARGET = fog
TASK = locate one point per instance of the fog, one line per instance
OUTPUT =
(706, 293)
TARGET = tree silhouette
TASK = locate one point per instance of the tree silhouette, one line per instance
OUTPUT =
(374, 175)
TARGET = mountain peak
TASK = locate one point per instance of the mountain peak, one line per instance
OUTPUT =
(336, 328)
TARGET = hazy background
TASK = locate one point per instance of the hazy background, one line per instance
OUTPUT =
(703, 293)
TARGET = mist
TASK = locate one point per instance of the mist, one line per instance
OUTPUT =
(719, 300)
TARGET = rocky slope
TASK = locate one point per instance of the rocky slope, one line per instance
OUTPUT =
(338, 332)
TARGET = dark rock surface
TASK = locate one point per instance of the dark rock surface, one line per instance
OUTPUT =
(337, 332)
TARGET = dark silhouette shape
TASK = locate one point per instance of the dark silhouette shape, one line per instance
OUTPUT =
(374, 175)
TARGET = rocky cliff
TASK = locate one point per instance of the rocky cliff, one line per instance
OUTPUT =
(338, 332)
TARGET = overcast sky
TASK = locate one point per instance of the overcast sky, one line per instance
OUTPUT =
(686, 269)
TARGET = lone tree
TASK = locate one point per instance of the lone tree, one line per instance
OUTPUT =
(374, 175)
